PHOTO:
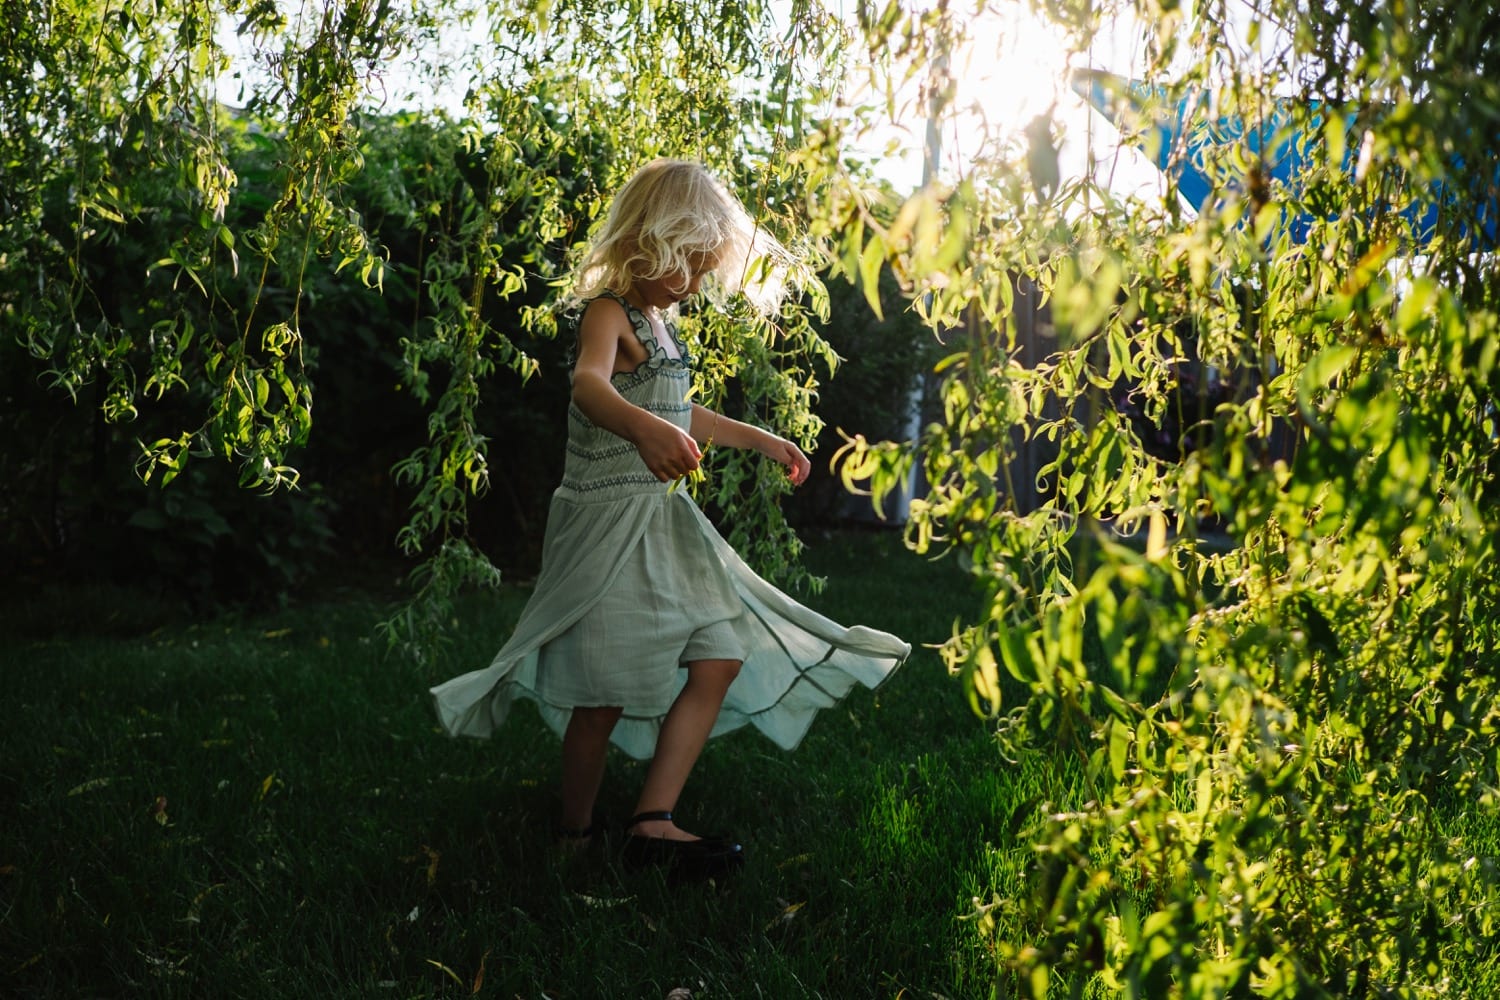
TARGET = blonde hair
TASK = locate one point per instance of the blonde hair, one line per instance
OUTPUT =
(673, 218)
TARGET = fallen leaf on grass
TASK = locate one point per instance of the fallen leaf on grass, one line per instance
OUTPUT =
(197, 903)
(163, 966)
(479, 976)
(451, 974)
(92, 784)
(598, 903)
(789, 910)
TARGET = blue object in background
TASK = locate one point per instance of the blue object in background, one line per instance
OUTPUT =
(1178, 138)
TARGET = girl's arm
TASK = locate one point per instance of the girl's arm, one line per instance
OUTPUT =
(667, 450)
(708, 425)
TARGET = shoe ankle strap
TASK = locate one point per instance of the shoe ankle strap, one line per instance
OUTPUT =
(662, 815)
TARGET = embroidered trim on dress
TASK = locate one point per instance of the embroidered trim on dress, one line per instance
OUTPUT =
(645, 372)
(609, 482)
(581, 419)
(600, 454)
(654, 407)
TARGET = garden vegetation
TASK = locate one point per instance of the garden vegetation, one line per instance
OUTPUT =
(1251, 596)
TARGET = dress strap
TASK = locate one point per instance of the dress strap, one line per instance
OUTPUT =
(669, 346)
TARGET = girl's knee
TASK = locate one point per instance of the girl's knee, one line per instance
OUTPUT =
(595, 718)
(715, 671)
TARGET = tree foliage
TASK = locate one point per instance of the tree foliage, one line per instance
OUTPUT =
(1257, 604)
(120, 142)
(1273, 650)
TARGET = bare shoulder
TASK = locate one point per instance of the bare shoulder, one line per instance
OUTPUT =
(605, 332)
(606, 313)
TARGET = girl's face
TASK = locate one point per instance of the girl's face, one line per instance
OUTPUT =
(665, 292)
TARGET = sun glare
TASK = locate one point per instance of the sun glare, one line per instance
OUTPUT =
(1014, 69)
(1011, 68)
(1008, 68)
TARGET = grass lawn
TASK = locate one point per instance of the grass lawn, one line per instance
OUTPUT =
(265, 808)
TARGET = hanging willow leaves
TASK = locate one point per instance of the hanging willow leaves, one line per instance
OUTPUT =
(1253, 581)
(115, 132)
(1234, 500)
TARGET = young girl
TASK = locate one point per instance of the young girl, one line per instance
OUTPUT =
(645, 627)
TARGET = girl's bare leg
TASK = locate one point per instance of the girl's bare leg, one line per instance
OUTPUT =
(585, 743)
(683, 733)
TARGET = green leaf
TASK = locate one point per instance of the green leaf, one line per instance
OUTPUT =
(1324, 367)
(871, 260)
(1015, 654)
(1119, 747)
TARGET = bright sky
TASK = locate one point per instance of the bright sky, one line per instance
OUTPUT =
(1012, 68)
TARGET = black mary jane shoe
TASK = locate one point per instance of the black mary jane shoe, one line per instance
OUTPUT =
(684, 860)
(569, 841)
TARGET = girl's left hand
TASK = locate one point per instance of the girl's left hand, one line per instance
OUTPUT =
(790, 456)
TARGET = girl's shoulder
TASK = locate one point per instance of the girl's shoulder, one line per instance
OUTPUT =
(575, 311)
(604, 303)
(646, 332)
(572, 314)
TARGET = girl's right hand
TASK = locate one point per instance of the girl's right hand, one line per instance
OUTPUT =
(668, 450)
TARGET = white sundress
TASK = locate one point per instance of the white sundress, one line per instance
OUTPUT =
(636, 581)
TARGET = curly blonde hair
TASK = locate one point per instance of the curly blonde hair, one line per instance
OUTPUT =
(673, 218)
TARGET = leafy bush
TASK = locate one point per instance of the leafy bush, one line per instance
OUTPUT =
(254, 244)
(1272, 728)
(881, 378)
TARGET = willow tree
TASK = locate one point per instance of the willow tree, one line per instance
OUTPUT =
(118, 121)
(1288, 729)
(1287, 723)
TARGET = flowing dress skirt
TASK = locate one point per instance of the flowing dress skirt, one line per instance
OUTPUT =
(796, 661)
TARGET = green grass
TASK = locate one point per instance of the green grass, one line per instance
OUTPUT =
(265, 808)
